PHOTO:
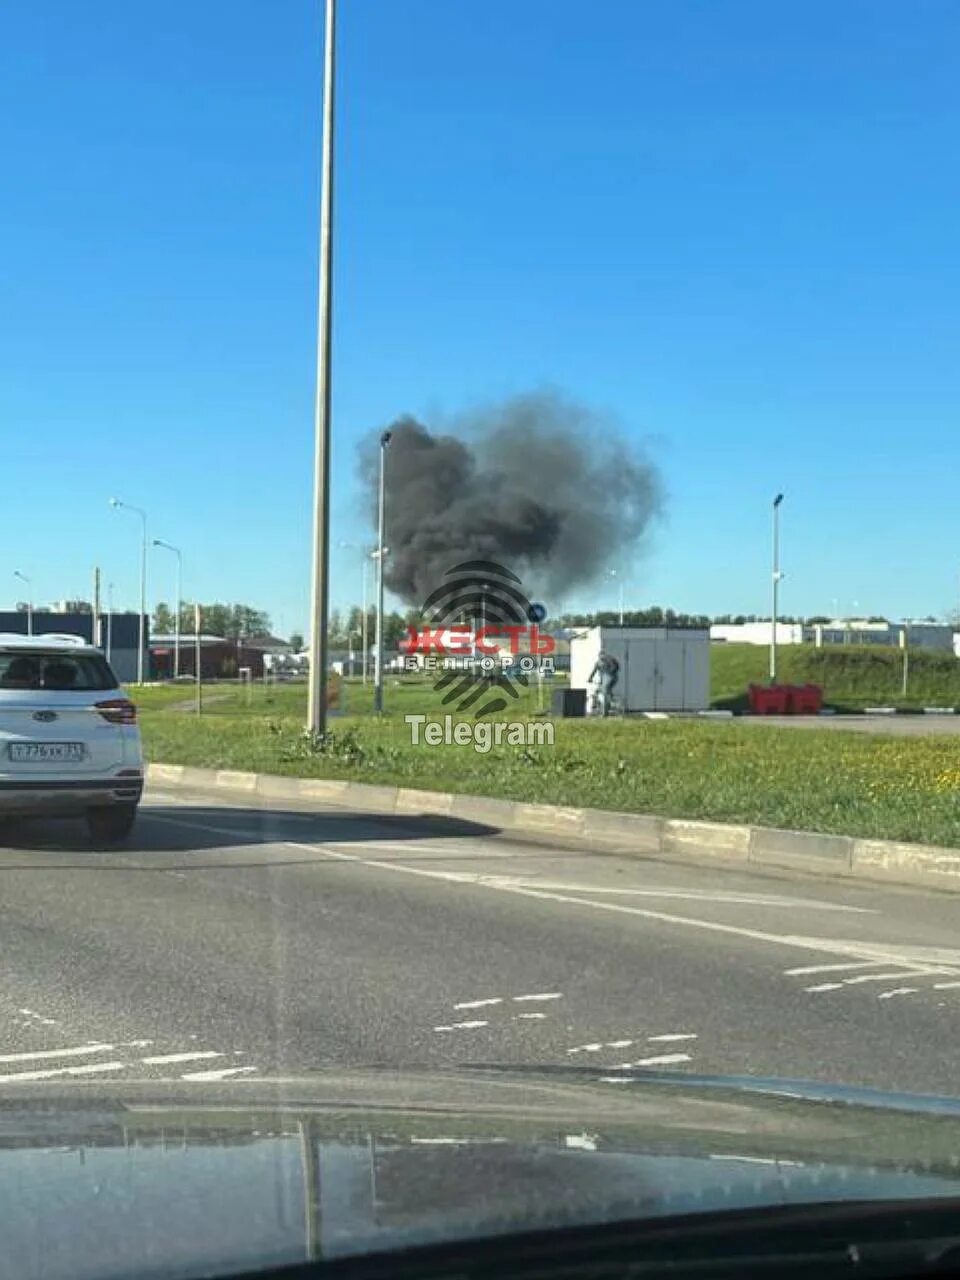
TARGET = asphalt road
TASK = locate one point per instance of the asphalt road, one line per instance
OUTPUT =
(234, 940)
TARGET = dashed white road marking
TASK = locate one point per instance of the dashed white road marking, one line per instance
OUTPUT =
(528, 1017)
(88, 1069)
(806, 969)
(539, 995)
(216, 1074)
(39, 1055)
(463, 1026)
(662, 1060)
(945, 986)
(825, 986)
(161, 1059)
(897, 991)
(682, 1035)
(887, 977)
(479, 1004)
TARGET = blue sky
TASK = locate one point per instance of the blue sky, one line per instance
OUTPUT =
(734, 227)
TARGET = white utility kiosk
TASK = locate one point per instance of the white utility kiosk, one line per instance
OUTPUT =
(661, 669)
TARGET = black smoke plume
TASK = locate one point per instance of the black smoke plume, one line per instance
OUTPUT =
(538, 483)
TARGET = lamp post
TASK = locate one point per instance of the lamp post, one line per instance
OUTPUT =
(615, 573)
(159, 542)
(127, 506)
(320, 589)
(365, 555)
(776, 586)
(29, 582)
(385, 437)
(109, 621)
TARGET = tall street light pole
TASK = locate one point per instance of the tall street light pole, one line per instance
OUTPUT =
(320, 592)
(29, 582)
(776, 586)
(127, 506)
(159, 542)
(381, 552)
(365, 556)
(109, 621)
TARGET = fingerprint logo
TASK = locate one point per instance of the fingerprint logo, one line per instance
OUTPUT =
(479, 593)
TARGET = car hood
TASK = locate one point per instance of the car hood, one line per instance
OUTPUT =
(180, 1180)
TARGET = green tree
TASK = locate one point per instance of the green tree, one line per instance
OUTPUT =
(296, 641)
(162, 623)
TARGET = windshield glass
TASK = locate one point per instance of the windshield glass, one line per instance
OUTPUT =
(479, 619)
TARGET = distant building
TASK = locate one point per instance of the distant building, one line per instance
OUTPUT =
(920, 635)
(220, 658)
(124, 634)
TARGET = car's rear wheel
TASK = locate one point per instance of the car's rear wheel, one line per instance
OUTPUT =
(110, 826)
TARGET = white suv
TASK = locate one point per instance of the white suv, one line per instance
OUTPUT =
(69, 741)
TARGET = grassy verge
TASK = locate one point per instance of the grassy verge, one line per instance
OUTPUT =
(892, 788)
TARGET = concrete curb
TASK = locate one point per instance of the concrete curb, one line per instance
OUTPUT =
(630, 834)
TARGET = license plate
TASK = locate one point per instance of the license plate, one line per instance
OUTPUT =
(47, 752)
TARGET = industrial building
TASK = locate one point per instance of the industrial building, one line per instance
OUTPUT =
(118, 633)
(919, 635)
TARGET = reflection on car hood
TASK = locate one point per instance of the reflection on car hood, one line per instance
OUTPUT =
(181, 1180)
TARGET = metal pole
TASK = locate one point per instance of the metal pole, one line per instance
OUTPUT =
(109, 621)
(176, 630)
(363, 624)
(381, 521)
(906, 656)
(28, 582)
(319, 604)
(197, 654)
(143, 598)
(776, 587)
(621, 602)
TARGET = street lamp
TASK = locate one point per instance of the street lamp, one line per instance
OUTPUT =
(159, 542)
(365, 555)
(109, 621)
(29, 581)
(320, 590)
(126, 506)
(615, 573)
(385, 438)
(777, 575)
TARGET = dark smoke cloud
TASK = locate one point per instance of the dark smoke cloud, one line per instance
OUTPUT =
(540, 484)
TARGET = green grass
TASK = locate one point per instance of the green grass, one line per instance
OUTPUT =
(895, 788)
(852, 676)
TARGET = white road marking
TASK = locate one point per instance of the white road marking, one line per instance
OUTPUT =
(478, 1004)
(945, 986)
(89, 1069)
(216, 1074)
(693, 895)
(663, 1060)
(683, 1035)
(528, 1017)
(897, 991)
(826, 986)
(463, 1026)
(542, 995)
(162, 1058)
(137, 1044)
(806, 969)
(38, 1055)
(593, 1047)
(888, 977)
(877, 952)
(580, 1141)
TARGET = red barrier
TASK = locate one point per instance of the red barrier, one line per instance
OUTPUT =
(806, 699)
(770, 699)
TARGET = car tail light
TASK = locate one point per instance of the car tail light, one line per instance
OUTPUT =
(117, 710)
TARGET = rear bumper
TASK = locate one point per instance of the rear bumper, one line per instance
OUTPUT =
(66, 796)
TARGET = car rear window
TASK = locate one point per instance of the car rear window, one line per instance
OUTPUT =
(59, 671)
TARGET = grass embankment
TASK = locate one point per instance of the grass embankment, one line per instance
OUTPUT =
(852, 676)
(893, 788)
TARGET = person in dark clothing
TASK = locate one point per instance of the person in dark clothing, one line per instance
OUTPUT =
(604, 677)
